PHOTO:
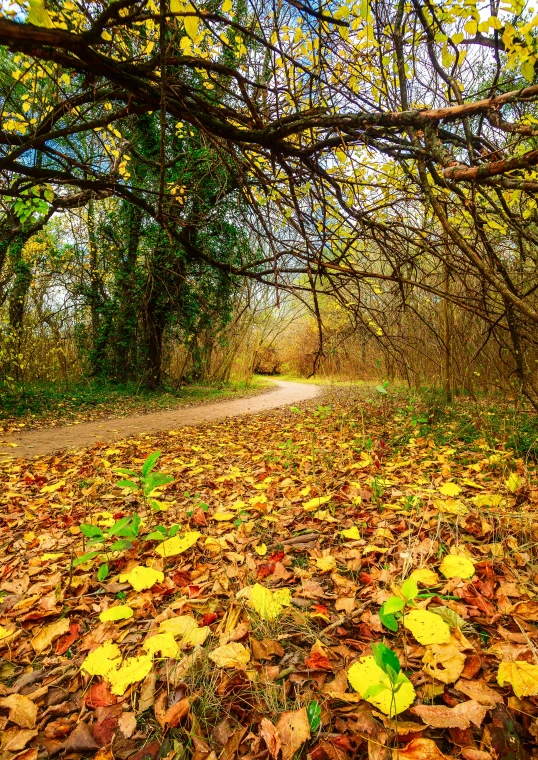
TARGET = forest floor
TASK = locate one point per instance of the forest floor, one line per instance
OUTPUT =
(50, 440)
(50, 405)
(352, 577)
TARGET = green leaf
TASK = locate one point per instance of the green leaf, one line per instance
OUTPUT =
(392, 605)
(154, 480)
(150, 462)
(91, 531)
(120, 546)
(127, 484)
(123, 471)
(386, 659)
(409, 588)
(389, 621)
(102, 572)
(85, 558)
(313, 712)
(122, 527)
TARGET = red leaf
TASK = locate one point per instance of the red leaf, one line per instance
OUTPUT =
(209, 618)
(318, 661)
(266, 568)
(69, 638)
(99, 696)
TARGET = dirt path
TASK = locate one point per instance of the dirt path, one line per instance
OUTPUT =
(49, 440)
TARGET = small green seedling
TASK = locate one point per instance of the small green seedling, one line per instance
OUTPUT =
(124, 531)
(161, 532)
(383, 387)
(393, 609)
(389, 663)
(146, 481)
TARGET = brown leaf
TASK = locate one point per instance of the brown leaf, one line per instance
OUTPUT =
(266, 649)
(479, 691)
(461, 716)
(15, 739)
(444, 662)
(475, 754)
(527, 610)
(147, 692)
(22, 710)
(271, 737)
(50, 633)
(81, 740)
(127, 724)
(293, 729)
(419, 749)
(177, 712)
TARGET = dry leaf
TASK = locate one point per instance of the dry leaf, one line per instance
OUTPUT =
(294, 730)
(22, 710)
(461, 716)
(444, 662)
(50, 633)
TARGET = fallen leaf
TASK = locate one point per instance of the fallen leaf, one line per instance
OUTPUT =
(15, 739)
(521, 675)
(419, 749)
(141, 577)
(271, 737)
(461, 716)
(127, 724)
(177, 544)
(22, 710)
(132, 670)
(112, 614)
(269, 604)
(294, 730)
(479, 691)
(101, 660)
(444, 662)
(427, 627)
(233, 655)
(50, 633)
(456, 567)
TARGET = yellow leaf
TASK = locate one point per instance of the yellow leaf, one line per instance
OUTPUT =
(223, 516)
(50, 633)
(120, 612)
(232, 655)
(514, 482)
(163, 643)
(366, 674)
(261, 549)
(191, 23)
(444, 662)
(326, 564)
(52, 488)
(325, 515)
(38, 14)
(177, 545)
(352, 533)
(132, 670)
(316, 503)
(141, 577)
(450, 489)
(51, 556)
(425, 576)
(227, 6)
(427, 627)
(372, 549)
(451, 506)
(269, 604)
(521, 675)
(6, 632)
(185, 628)
(457, 567)
(101, 660)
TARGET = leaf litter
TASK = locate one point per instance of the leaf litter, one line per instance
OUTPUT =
(301, 583)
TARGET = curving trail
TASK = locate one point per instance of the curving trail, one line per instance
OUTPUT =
(50, 440)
